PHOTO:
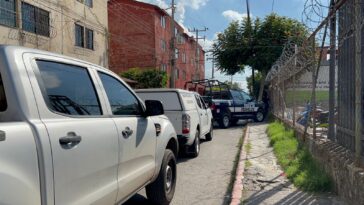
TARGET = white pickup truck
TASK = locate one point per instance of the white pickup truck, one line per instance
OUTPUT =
(74, 133)
(189, 114)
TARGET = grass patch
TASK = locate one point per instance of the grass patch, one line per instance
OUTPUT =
(248, 147)
(302, 96)
(248, 164)
(230, 187)
(297, 162)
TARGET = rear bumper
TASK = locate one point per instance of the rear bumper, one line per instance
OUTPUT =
(184, 140)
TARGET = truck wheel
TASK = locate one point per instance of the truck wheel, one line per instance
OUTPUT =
(259, 116)
(195, 147)
(210, 135)
(234, 122)
(161, 191)
(224, 121)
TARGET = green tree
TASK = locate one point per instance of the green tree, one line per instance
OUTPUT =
(258, 44)
(147, 78)
(249, 80)
(234, 85)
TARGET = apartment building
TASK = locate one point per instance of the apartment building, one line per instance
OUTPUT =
(140, 37)
(76, 28)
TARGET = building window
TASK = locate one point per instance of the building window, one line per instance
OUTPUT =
(184, 76)
(89, 39)
(8, 13)
(163, 45)
(88, 3)
(164, 67)
(163, 21)
(180, 39)
(79, 35)
(176, 53)
(84, 37)
(184, 58)
(35, 20)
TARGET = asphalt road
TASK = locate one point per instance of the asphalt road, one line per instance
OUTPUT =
(204, 180)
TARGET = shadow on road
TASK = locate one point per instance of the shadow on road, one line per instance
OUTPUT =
(138, 199)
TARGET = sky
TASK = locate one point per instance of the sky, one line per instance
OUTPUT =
(216, 16)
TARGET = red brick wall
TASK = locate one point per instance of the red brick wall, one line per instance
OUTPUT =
(131, 29)
(135, 41)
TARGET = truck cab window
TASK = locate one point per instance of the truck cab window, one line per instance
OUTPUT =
(236, 95)
(198, 102)
(204, 105)
(68, 89)
(246, 97)
(3, 103)
(121, 100)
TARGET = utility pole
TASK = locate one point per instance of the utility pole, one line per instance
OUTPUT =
(213, 66)
(294, 87)
(331, 134)
(358, 83)
(173, 49)
(249, 23)
(197, 48)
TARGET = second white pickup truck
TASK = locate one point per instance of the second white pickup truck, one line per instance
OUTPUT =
(74, 133)
(189, 114)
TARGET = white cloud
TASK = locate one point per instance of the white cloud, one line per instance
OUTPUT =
(233, 15)
(207, 44)
(160, 3)
(194, 4)
(180, 6)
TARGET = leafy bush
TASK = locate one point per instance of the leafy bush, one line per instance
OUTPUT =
(147, 78)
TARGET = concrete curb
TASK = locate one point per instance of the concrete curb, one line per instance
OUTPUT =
(237, 194)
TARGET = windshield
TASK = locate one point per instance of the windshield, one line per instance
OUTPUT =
(246, 96)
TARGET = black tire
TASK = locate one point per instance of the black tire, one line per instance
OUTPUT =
(234, 122)
(225, 120)
(210, 135)
(159, 192)
(195, 147)
(259, 116)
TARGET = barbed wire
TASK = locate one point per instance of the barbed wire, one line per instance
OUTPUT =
(297, 57)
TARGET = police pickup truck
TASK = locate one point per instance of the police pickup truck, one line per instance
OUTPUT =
(228, 105)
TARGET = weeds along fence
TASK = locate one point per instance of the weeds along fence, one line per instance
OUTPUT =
(316, 85)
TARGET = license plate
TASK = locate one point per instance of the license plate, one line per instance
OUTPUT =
(247, 109)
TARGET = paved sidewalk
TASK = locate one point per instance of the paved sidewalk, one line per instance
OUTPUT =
(264, 181)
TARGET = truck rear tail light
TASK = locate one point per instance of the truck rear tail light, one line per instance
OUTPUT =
(186, 124)
(213, 106)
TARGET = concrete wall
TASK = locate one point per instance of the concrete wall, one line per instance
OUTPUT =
(338, 162)
(63, 16)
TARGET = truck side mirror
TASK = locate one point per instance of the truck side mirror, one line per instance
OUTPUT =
(153, 108)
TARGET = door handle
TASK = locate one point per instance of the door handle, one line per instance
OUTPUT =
(70, 141)
(127, 132)
(2, 136)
